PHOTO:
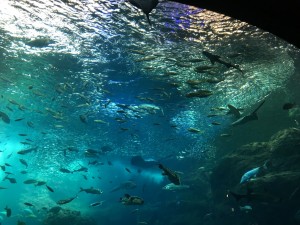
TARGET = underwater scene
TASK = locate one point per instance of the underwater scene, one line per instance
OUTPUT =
(115, 112)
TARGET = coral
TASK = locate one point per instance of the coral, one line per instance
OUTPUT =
(67, 217)
(277, 187)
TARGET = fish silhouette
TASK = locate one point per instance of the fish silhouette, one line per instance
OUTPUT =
(145, 5)
(248, 117)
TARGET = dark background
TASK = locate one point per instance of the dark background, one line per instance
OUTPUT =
(281, 18)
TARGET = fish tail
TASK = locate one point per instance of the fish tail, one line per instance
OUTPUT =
(148, 19)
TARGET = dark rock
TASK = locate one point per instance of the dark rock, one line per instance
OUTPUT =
(67, 217)
(275, 191)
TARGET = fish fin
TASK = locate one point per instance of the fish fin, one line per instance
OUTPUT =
(258, 107)
(148, 19)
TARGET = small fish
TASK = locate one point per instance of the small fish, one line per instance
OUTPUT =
(49, 188)
(26, 151)
(23, 172)
(30, 181)
(65, 201)
(225, 135)
(96, 204)
(22, 135)
(30, 124)
(11, 180)
(25, 143)
(23, 162)
(40, 183)
(64, 170)
(8, 211)
(128, 170)
(19, 119)
(8, 156)
(28, 204)
(83, 118)
(4, 117)
(246, 208)
(253, 173)
(194, 130)
(2, 188)
(101, 121)
(199, 94)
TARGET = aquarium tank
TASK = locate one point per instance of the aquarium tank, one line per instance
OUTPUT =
(159, 113)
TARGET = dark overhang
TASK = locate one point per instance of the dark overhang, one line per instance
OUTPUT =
(281, 18)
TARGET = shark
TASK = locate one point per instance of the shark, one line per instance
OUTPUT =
(251, 196)
(127, 185)
(216, 58)
(249, 117)
(145, 5)
(233, 110)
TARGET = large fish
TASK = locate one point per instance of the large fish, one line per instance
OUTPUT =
(91, 191)
(145, 5)
(143, 163)
(172, 176)
(65, 201)
(216, 58)
(174, 187)
(248, 117)
(124, 186)
(254, 172)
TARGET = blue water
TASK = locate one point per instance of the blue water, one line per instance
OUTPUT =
(129, 81)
